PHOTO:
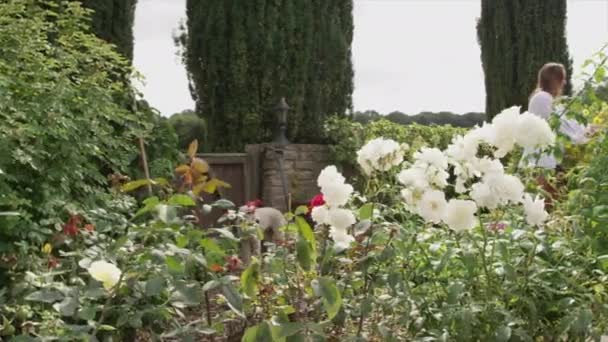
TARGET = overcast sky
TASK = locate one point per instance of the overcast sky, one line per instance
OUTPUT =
(409, 55)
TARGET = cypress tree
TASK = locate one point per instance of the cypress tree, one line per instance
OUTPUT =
(112, 21)
(243, 56)
(516, 38)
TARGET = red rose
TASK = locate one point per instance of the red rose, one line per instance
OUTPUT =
(254, 204)
(71, 227)
(52, 262)
(316, 201)
(233, 263)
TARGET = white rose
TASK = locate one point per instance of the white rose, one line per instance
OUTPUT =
(329, 175)
(336, 194)
(342, 239)
(463, 148)
(432, 206)
(105, 272)
(535, 210)
(380, 154)
(414, 177)
(431, 156)
(460, 215)
(534, 132)
(482, 194)
(320, 214)
(505, 129)
(340, 218)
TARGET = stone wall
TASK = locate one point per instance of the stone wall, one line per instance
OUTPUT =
(301, 163)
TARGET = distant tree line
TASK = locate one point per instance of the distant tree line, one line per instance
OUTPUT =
(425, 118)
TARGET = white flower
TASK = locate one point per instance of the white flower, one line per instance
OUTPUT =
(505, 129)
(460, 215)
(431, 156)
(342, 239)
(486, 166)
(507, 187)
(329, 175)
(534, 208)
(534, 132)
(380, 155)
(483, 196)
(437, 177)
(432, 206)
(336, 194)
(105, 272)
(459, 187)
(414, 177)
(320, 214)
(340, 218)
(463, 148)
(497, 189)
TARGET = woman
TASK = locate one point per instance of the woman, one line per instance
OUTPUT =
(550, 85)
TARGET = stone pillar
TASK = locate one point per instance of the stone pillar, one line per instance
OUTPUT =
(302, 164)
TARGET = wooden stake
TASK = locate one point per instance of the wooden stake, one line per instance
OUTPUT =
(144, 161)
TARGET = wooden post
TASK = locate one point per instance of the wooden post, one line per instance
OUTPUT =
(144, 161)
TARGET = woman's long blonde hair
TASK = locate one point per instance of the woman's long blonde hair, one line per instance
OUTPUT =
(551, 79)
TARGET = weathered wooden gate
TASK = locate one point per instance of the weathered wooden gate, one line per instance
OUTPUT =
(233, 169)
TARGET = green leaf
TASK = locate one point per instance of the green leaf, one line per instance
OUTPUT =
(149, 205)
(332, 300)
(190, 293)
(258, 333)
(455, 292)
(225, 233)
(136, 184)
(88, 313)
(210, 285)
(45, 296)
(154, 286)
(305, 254)
(175, 266)
(250, 278)
(502, 334)
(233, 298)
(181, 200)
(305, 231)
(281, 330)
(301, 210)
(223, 204)
(181, 241)
(9, 213)
(209, 246)
(366, 211)
(67, 307)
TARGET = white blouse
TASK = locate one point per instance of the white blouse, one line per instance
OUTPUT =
(541, 104)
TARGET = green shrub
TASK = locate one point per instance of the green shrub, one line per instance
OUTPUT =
(189, 127)
(346, 137)
(65, 122)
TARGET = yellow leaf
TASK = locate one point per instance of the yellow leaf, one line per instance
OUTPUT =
(198, 179)
(182, 169)
(211, 186)
(200, 165)
(193, 148)
(197, 189)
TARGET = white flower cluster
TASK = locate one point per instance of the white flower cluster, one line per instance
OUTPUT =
(336, 194)
(484, 179)
(380, 155)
